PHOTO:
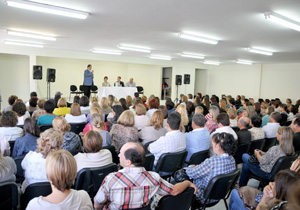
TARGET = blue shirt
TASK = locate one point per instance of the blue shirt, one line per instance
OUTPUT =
(265, 120)
(46, 119)
(106, 138)
(196, 141)
(211, 167)
(88, 77)
(24, 144)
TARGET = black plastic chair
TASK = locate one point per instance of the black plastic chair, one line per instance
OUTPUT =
(269, 142)
(149, 161)
(8, 196)
(35, 190)
(170, 162)
(94, 89)
(256, 144)
(146, 146)
(45, 127)
(198, 157)
(81, 88)
(244, 148)
(182, 201)
(90, 179)
(140, 89)
(73, 90)
(11, 146)
(20, 172)
(77, 127)
(113, 152)
(218, 188)
(281, 164)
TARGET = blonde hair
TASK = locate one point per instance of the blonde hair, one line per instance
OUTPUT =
(61, 169)
(50, 140)
(126, 119)
(199, 110)
(214, 111)
(60, 123)
(223, 104)
(184, 99)
(104, 103)
(4, 165)
(95, 105)
(75, 109)
(62, 102)
(232, 113)
(157, 120)
(97, 121)
(140, 109)
(286, 143)
(144, 99)
(181, 109)
(94, 99)
(95, 110)
(111, 100)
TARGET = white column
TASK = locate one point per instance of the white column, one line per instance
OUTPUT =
(32, 82)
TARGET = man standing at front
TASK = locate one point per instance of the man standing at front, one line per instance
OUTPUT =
(88, 80)
(130, 83)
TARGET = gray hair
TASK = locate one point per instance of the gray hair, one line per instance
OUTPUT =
(199, 120)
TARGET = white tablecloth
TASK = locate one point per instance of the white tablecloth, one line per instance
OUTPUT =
(118, 92)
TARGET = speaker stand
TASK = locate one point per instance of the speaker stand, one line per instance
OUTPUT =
(176, 95)
(48, 90)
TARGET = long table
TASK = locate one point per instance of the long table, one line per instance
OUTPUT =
(118, 92)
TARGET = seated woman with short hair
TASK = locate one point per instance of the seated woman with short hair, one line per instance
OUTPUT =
(20, 108)
(40, 111)
(94, 155)
(141, 120)
(33, 163)
(63, 108)
(75, 115)
(8, 128)
(61, 173)
(8, 169)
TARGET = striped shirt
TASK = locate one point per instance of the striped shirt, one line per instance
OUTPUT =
(131, 187)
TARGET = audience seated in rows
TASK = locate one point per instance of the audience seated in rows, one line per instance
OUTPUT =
(272, 126)
(33, 163)
(268, 159)
(141, 120)
(8, 169)
(124, 131)
(61, 173)
(266, 117)
(155, 129)
(27, 142)
(134, 178)
(8, 127)
(98, 125)
(75, 115)
(224, 125)
(63, 108)
(94, 155)
(244, 135)
(256, 131)
(198, 139)
(47, 119)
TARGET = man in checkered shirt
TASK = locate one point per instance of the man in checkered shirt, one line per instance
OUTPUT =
(133, 187)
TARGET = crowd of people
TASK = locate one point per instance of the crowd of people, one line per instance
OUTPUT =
(135, 124)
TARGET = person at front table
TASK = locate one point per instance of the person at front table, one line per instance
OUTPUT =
(105, 83)
(119, 83)
(130, 83)
(88, 80)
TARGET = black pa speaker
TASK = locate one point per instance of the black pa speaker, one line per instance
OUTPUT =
(178, 79)
(186, 79)
(51, 75)
(37, 72)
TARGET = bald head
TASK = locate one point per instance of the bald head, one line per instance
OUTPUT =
(243, 122)
(135, 153)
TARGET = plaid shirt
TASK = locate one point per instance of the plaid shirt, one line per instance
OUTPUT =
(131, 187)
(211, 167)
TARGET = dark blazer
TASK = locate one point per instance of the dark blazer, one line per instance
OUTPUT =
(296, 141)
(122, 83)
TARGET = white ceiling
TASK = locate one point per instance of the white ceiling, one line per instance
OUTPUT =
(238, 24)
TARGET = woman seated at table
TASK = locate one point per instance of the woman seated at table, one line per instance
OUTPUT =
(75, 115)
(61, 173)
(268, 159)
(105, 83)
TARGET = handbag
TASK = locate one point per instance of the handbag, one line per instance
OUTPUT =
(180, 175)
(253, 160)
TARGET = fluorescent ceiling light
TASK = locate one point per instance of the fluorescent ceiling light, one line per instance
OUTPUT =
(110, 52)
(30, 35)
(212, 62)
(134, 48)
(282, 20)
(39, 7)
(192, 55)
(191, 36)
(25, 44)
(260, 51)
(160, 57)
(244, 62)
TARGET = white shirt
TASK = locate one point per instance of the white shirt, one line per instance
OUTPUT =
(291, 116)
(76, 200)
(92, 160)
(271, 129)
(85, 109)
(75, 119)
(11, 133)
(150, 112)
(233, 123)
(150, 134)
(226, 129)
(21, 120)
(141, 121)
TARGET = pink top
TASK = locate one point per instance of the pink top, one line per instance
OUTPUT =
(89, 127)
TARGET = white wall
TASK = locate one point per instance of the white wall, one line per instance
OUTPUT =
(14, 79)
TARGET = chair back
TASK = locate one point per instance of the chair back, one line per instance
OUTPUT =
(220, 186)
(8, 196)
(11, 146)
(35, 190)
(256, 144)
(198, 157)
(140, 89)
(81, 88)
(20, 172)
(90, 179)
(113, 152)
(170, 162)
(146, 146)
(182, 201)
(149, 161)
(282, 163)
(94, 88)
(269, 142)
(45, 127)
(243, 148)
(73, 88)
(77, 127)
